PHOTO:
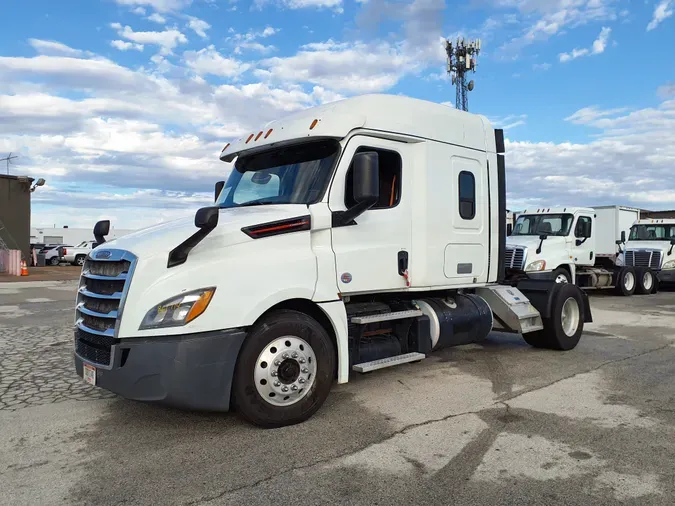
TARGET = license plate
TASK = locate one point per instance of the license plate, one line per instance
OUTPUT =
(89, 374)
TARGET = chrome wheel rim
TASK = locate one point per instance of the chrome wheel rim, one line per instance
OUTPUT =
(647, 280)
(285, 371)
(570, 316)
(561, 278)
(629, 281)
(80, 261)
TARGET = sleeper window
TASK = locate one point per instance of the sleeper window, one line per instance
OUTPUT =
(390, 179)
(467, 195)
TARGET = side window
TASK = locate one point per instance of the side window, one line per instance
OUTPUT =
(579, 229)
(467, 195)
(390, 179)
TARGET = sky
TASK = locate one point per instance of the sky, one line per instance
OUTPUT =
(123, 106)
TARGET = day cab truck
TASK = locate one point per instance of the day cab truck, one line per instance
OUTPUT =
(583, 246)
(650, 244)
(348, 237)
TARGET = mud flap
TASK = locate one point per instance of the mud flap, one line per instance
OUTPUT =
(542, 293)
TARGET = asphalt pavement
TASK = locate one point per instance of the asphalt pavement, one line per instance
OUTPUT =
(498, 423)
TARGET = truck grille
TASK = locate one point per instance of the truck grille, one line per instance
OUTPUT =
(100, 298)
(514, 258)
(643, 258)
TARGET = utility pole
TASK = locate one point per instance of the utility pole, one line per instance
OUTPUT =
(462, 59)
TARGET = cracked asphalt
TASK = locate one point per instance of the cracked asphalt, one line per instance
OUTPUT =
(497, 423)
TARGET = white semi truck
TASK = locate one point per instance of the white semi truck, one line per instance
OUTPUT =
(586, 247)
(349, 237)
(651, 243)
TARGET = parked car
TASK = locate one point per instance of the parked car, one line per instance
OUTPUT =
(54, 253)
(77, 254)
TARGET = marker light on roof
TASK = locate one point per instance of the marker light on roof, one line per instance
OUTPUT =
(268, 133)
(249, 138)
(258, 136)
(311, 127)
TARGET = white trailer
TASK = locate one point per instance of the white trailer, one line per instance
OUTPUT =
(361, 234)
(581, 246)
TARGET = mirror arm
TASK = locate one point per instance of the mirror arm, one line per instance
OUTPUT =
(541, 243)
(344, 218)
(670, 251)
(581, 241)
(179, 254)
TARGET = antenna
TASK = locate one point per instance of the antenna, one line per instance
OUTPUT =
(462, 59)
(8, 159)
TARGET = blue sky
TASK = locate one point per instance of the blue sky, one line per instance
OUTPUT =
(123, 105)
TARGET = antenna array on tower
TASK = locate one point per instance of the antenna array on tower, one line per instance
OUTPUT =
(462, 59)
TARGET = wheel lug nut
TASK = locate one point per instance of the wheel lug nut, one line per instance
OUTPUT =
(277, 363)
(302, 360)
(305, 370)
(285, 355)
(301, 380)
(285, 389)
(294, 355)
(277, 384)
(294, 387)
(274, 374)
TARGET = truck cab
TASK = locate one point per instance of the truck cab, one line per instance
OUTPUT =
(551, 243)
(651, 243)
(361, 234)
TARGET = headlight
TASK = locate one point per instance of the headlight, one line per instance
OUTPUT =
(537, 265)
(670, 264)
(178, 310)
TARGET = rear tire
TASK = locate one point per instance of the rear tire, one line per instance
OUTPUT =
(646, 281)
(54, 261)
(563, 329)
(285, 370)
(79, 260)
(625, 281)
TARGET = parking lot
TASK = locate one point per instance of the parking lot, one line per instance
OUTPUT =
(499, 423)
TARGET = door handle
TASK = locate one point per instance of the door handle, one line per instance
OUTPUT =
(402, 262)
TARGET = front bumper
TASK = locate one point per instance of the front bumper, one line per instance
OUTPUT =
(192, 371)
(667, 276)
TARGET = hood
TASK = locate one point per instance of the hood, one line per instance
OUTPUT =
(663, 246)
(162, 238)
(532, 242)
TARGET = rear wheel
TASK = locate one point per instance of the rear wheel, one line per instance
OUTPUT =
(645, 281)
(285, 370)
(79, 260)
(54, 261)
(626, 281)
(563, 328)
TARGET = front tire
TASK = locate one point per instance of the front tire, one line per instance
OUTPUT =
(563, 329)
(626, 281)
(646, 281)
(285, 370)
(562, 276)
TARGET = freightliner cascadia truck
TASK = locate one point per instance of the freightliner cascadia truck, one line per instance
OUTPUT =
(588, 247)
(349, 237)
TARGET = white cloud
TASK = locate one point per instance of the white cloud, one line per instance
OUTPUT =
(199, 26)
(599, 45)
(53, 48)
(541, 66)
(209, 61)
(662, 12)
(125, 46)
(159, 5)
(156, 17)
(167, 39)
(246, 41)
(304, 4)
(508, 122)
(138, 10)
(667, 90)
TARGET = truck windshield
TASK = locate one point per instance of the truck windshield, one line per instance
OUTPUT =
(649, 232)
(295, 174)
(538, 224)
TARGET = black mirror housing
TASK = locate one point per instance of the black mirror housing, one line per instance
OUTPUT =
(218, 189)
(543, 237)
(366, 178)
(207, 218)
(672, 241)
(101, 229)
(623, 236)
(509, 229)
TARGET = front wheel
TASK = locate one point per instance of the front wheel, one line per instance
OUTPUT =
(285, 370)
(563, 328)
(561, 275)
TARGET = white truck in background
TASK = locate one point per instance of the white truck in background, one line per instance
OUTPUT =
(361, 234)
(582, 246)
(651, 243)
(76, 255)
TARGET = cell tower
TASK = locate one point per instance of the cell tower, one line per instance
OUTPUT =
(462, 59)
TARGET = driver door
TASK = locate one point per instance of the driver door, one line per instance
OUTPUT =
(368, 254)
